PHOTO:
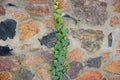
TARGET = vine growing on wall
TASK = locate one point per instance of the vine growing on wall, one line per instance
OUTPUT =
(59, 65)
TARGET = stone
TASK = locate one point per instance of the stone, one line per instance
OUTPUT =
(43, 73)
(23, 74)
(114, 21)
(116, 5)
(75, 55)
(118, 49)
(28, 29)
(74, 69)
(90, 11)
(110, 39)
(2, 10)
(46, 55)
(94, 62)
(8, 65)
(48, 40)
(4, 75)
(38, 9)
(91, 40)
(41, 1)
(5, 51)
(7, 29)
(31, 61)
(113, 67)
(20, 15)
(90, 75)
(64, 5)
(49, 22)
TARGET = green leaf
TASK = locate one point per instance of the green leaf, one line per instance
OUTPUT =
(56, 16)
(59, 36)
(58, 26)
(59, 11)
(60, 20)
(64, 31)
(55, 7)
(65, 42)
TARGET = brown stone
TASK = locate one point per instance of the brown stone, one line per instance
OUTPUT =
(118, 49)
(2, 10)
(36, 1)
(74, 70)
(38, 9)
(49, 22)
(8, 65)
(75, 55)
(116, 5)
(90, 75)
(31, 61)
(28, 29)
(43, 72)
(114, 21)
(114, 67)
(20, 15)
(4, 75)
(64, 4)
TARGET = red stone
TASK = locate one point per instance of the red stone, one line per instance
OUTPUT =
(2, 10)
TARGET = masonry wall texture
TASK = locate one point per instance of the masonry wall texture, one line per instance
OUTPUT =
(27, 37)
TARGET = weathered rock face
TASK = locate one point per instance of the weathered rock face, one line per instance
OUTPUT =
(7, 29)
(91, 11)
(116, 5)
(94, 62)
(23, 74)
(75, 55)
(38, 9)
(91, 40)
(90, 75)
(4, 75)
(28, 29)
(48, 40)
(5, 51)
(31, 61)
(2, 10)
(74, 70)
(47, 56)
(7, 65)
(114, 67)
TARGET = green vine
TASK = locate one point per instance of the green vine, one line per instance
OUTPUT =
(59, 65)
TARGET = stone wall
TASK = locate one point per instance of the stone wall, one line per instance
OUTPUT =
(27, 37)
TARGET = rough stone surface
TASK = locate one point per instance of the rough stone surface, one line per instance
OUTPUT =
(28, 29)
(94, 62)
(75, 55)
(93, 75)
(90, 39)
(48, 40)
(114, 67)
(91, 11)
(23, 74)
(74, 70)
(7, 29)
(4, 75)
(31, 61)
(7, 65)
(2, 10)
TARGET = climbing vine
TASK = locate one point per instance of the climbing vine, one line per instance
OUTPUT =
(59, 65)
